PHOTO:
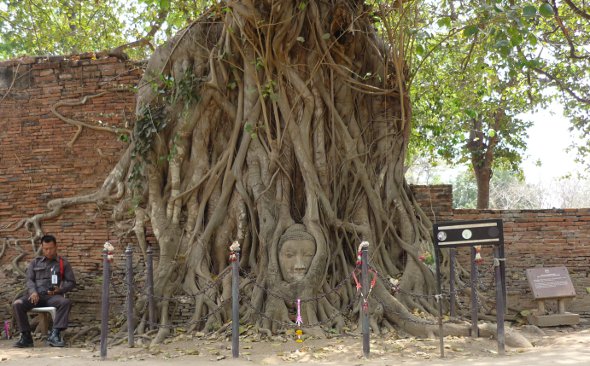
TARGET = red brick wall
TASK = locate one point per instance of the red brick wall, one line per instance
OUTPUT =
(436, 201)
(37, 164)
(532, 238)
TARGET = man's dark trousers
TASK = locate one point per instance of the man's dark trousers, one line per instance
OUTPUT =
(23, 305)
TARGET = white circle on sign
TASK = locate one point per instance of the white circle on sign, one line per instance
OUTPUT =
(466, 234)
(442, 236)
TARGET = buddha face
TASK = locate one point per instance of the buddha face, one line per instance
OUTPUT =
(295, 258)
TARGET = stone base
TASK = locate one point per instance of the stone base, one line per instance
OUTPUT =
(553, 320)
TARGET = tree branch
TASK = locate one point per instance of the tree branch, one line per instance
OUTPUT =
(562, 85)
(145, 40)
(566, 34)
(577, 10)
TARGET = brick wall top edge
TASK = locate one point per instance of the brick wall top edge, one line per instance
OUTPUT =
(501, 212)
(60, 58)
(431, 186)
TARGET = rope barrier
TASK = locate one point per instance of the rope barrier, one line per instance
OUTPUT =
(289, 324)
(227, 271)
(182, 298)
(396, 288)
(192, 322)
(345, 312)
(303, 300)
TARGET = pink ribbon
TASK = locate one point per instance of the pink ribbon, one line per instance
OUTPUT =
(7, 329)
(299, 320)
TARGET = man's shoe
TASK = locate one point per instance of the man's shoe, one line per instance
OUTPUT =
(54, 339)
(25, 341)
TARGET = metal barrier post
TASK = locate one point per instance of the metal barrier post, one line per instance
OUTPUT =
(150, 287)
(452, 280)
(235, 300)
(104, 324)
(130, 316)
(474, 302)
(499, 301)
(441, 334)
(365, 298)
(503, 276)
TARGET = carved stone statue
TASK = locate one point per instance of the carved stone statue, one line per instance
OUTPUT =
(296, 251)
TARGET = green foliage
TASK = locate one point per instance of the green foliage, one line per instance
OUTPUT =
(58, 27)
(173, 149)
(249, 129)
(153, 121)
(509, 191)
(529, 11)
(144, 132)
(259, 63)
(269, 90)
(465, 191)
(546, 10)
(146, 127)
(470, 30)
(185, 89)
(124, 138)
(49, 27)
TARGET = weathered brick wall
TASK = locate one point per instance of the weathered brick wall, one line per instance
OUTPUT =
(436, 201)
(532, 238)
(37, 163)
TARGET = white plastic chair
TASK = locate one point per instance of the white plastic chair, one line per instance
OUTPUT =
(43, 313)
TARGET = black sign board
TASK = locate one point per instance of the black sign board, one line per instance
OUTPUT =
(468, 233)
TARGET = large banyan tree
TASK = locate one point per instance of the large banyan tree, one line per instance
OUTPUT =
(282, 125)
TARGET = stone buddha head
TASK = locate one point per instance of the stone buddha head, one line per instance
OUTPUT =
(296, 250)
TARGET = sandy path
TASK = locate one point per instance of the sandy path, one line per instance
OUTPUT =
(557, 347)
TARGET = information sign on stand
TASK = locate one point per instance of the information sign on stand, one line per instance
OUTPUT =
(551, 283)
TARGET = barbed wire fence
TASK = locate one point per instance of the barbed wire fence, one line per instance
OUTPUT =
(365, 277)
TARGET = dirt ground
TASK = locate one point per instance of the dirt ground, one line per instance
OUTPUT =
(552, 346)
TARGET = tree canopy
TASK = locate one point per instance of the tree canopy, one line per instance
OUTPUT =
(473, 66)
(57, 27)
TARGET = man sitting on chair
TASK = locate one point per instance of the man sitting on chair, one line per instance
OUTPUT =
(49, 277)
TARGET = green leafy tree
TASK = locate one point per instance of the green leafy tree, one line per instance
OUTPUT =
(480, 64)
(464, 191)
(35, 27)
(61, 27)
(470, 84)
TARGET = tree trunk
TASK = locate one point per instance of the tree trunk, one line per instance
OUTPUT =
(482, 177)
(282, 125)
(482, 150)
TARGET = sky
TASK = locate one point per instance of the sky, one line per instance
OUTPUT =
(548, 140)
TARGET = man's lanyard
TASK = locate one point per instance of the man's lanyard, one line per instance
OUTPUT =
(61, 273)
